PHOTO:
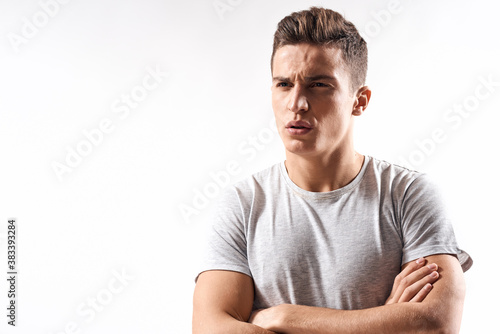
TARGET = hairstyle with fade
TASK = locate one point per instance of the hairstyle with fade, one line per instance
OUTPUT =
(325, 27)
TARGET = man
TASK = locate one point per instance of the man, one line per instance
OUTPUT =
(329, 241)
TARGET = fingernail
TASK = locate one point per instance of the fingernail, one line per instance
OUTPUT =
(428, 286)
(434, 274)
(432, 266)
(420, 261)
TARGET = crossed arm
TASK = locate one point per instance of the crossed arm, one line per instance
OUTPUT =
(223, 304)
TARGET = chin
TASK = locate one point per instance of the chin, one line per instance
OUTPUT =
(300, 148)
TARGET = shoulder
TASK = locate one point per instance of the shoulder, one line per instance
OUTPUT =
(395, 178)
(237, 201)
(253, 187)
(414, 195)
(261, 181)
(388, 170)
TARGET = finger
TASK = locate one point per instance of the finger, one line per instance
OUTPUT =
(417, 275)
(411, 267)
(412, 290)
(406, 282)
(396, 290)
(420, 296)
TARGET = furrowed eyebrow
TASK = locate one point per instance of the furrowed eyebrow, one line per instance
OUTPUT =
(280, 79)
(309, 79)
(321, 77)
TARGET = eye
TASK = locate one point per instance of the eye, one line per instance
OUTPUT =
(282, 84)
(318, 84)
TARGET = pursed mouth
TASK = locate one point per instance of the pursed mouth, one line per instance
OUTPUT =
(298, 125)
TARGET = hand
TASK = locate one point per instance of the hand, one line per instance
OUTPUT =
(413, 283)
(265, 318)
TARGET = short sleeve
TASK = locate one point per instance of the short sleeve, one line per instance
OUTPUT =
(426, 227)
(225, 247)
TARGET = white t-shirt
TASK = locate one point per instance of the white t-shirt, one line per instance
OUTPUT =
(340, 249)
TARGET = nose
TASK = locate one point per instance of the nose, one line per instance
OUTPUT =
(298, 100)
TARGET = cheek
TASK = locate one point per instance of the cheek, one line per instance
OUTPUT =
(337, 111)
(334, 121)
(278, 108)
(277, 98)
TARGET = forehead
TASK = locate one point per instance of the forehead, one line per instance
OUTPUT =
(308, 60)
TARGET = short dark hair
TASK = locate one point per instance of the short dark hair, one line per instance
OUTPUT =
(325, 27)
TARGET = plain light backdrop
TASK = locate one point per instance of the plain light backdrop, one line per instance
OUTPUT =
(120, 121)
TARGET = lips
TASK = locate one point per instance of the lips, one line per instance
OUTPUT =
(298, 125)
(298, 128)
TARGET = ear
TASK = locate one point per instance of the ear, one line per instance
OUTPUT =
(361, 102)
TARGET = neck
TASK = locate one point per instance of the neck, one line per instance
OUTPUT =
(322, 174)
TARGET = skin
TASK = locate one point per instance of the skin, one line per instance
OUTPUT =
(439, 311)
(222, 301)
(312, 84)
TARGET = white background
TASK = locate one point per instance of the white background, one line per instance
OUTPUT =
(119, 209)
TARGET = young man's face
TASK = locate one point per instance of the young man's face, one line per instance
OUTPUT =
(312, 100)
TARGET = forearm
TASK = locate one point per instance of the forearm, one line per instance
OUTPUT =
(396, 318)
(225, 324)
(440, 312)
